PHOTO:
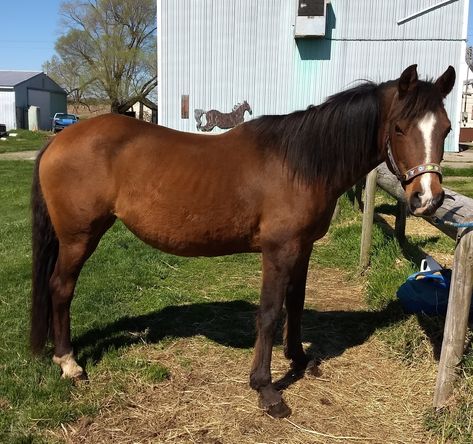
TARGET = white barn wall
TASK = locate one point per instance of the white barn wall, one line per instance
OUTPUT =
(221, 52)
(374, 20)
(7, 108)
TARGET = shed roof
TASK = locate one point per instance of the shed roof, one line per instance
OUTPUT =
(13, 78)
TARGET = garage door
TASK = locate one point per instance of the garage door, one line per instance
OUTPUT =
(42, 100)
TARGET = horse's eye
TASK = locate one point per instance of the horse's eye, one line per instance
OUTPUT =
(448, 130)
(398, 130)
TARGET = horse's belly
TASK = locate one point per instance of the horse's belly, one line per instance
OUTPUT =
(194, 234)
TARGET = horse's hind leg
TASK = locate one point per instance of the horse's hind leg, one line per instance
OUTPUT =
(73, 252)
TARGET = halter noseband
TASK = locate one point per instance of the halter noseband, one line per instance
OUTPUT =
(413, 172)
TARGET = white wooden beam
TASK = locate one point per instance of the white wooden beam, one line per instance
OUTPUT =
(424, 11)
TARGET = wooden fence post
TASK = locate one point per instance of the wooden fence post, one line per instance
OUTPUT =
(456, 321)
(400, 224)
(336, 211)
(368, 213)
(456, 210)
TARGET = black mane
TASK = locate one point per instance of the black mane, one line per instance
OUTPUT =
(336, 139)
(327, 142)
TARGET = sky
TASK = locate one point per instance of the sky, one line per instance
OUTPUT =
(28, 32)
(29, 29)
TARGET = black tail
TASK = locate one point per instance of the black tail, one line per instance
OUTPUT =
(45, 252)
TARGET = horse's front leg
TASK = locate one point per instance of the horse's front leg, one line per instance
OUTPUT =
(294, 303)
(278, 268)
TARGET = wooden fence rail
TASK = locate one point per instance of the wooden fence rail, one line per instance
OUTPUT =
(456, 209)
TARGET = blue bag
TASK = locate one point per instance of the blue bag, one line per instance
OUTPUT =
(426, 292)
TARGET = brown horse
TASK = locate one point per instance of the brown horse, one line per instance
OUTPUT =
(269, 186)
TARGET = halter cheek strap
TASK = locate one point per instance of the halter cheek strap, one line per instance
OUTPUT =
(413, 172)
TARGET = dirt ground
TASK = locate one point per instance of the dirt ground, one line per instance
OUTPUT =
(20, 155)
(363, 395)
(463, 159)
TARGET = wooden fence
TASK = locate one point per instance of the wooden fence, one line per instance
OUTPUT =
(456, 210)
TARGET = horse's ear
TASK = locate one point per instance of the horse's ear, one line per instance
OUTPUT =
(407, 81)
(446, 81)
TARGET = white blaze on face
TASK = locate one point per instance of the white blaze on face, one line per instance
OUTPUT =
(426, 126)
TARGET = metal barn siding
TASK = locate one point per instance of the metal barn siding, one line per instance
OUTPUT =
(7, 108)
(58, 102)
(221, 52)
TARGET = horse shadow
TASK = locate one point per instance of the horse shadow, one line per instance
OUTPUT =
(232, 324)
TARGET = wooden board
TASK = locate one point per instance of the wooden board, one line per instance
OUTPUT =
(456, 208)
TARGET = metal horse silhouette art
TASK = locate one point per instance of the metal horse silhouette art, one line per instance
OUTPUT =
(222, 120)
(267, 186)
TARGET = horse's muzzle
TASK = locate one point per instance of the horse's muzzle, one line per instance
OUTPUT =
(419, 205)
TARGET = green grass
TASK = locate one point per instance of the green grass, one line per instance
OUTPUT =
(388, 266)
(457, 172)
(463, 185)
(459, 180)
(24, 141)
(129, 294)
(30, 390)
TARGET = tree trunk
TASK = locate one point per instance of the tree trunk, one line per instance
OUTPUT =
(115, 107)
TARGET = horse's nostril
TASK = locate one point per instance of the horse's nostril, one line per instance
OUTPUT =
(415, 200)
(418, 204)
(438, 199)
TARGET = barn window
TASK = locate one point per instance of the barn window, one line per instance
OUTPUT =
(185, 106)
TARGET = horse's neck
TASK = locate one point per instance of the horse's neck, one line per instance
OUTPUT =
(361, 173)
(387, 95)
(381, 149)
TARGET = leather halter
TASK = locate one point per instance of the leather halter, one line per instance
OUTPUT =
(413, 172)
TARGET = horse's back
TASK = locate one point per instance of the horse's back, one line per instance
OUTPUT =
(177, 191)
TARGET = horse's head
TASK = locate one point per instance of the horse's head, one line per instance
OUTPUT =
(247, 107)
(416, 129)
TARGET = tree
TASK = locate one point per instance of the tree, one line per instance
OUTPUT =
(72, 77)
(108, 49)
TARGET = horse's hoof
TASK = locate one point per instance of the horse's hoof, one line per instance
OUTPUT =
(300, 364)
(80, 379)
(279, 410)
(313, 368)
(69, 367)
